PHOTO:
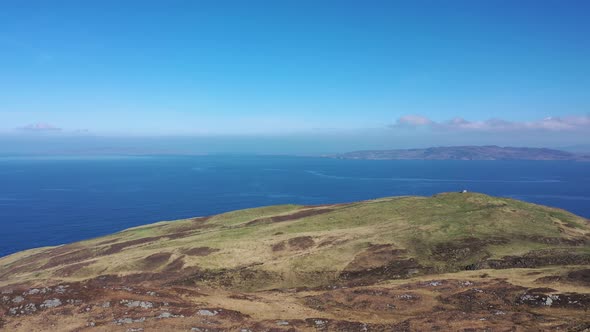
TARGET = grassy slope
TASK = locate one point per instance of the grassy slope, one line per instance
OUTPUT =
(420, 225)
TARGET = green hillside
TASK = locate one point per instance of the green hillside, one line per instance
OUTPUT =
(297, 246)
(451, 262)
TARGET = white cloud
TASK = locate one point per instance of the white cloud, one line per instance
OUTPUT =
(40, 127)
(569, 123)
(413, 121)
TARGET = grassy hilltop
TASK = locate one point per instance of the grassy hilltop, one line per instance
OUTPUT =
(401, 263)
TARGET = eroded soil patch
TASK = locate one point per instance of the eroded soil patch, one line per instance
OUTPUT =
(200, 251)
(289, 217)
(534, 259)
(380, 262)
(295, 244)
(156, 260)
(301, 242)
(72, 269)
(580, 276)
(462, 249)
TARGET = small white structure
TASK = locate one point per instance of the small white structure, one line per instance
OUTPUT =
(464, 191)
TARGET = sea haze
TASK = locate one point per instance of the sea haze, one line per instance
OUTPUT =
(51, 201)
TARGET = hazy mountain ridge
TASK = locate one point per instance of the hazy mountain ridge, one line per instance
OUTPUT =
(488, 152)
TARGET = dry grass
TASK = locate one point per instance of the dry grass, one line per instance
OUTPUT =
(417, 224)
(286, 264)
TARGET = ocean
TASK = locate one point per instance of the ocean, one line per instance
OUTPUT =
(55, 200)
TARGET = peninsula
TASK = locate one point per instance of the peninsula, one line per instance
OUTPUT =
(488, 152)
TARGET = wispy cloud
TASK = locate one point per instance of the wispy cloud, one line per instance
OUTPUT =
(413, 121)
(568, 123)
(40, 127)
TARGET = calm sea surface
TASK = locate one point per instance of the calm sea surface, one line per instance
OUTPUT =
(50, 201)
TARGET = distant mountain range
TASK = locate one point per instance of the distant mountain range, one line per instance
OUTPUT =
(488, 152)
(579, 148)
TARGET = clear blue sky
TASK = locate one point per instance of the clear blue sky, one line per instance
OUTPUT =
(258, 68)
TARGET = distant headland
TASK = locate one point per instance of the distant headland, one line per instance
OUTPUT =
(488, 152)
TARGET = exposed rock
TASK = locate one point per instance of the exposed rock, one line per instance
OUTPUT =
(169, 315)
(318, 323)
(204, 312)
(26, 309)
(122, 321)
(32, 292)
(407, 297)
(61, 289)
(18, 299)
(51, 303)
(30, 308)
(128, 320)
(565, 300)
(548, 301)
(135, 304)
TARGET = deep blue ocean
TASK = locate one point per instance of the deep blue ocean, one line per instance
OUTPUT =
(51, 201)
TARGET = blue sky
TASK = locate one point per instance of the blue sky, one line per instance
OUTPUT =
(386, 73)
